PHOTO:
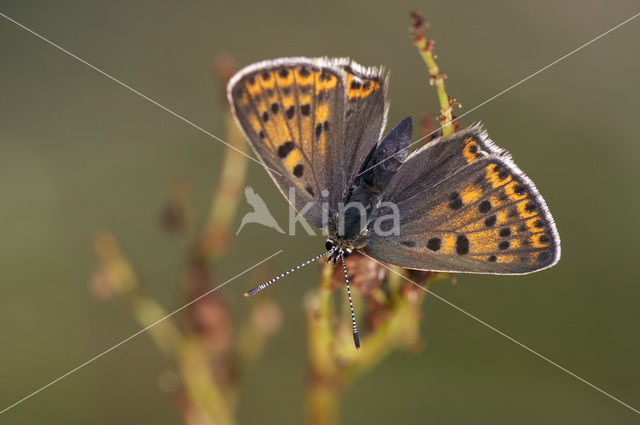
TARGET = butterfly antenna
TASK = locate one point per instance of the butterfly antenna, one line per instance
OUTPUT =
(277, 278)
(356, 340)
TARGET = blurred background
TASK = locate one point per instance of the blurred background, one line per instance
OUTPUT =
(79, 153)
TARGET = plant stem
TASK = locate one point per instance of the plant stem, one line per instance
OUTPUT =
(322, 404)
(197, 376)
(226, 195)
(322, 394)
(124, 282)
(436, 78)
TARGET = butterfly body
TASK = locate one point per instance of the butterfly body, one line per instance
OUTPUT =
(368, 189)
(456, 204)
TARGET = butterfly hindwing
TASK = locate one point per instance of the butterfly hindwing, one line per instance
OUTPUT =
(365, 115)
(466, 207)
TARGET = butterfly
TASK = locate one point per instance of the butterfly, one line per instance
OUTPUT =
(457, 204)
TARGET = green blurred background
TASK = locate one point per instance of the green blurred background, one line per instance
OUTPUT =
(80, 153)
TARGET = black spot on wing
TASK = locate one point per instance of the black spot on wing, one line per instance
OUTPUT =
(455, 202)
(285, 148)
(462, 245)
(490, 221)
(434, 244)
(290, 112)
(484, 207)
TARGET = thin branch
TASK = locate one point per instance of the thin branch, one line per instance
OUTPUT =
(436, 78)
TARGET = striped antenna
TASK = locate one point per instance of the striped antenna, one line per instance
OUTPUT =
(356, 340)
(277, 278)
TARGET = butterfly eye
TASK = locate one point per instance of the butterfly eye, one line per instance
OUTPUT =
(329, 245)
(346, 252)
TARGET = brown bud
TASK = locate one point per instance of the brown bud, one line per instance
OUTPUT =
(101, 286)
(364, 273)
(209, 316)
(418, 276)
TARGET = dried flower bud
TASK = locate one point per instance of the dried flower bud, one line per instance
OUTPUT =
(364, 273)
(417, 20)
(455, 124)
(418, 276)
(209, 316)
(173, 219)
(101, 286)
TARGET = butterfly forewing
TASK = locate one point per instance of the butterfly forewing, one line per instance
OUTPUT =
(314, 121)
(465, 207)
(291, 110)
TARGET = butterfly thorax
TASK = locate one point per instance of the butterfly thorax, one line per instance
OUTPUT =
(348, 229)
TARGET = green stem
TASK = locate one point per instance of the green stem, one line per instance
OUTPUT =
(206, 397)
(436, 78)
(323, 393)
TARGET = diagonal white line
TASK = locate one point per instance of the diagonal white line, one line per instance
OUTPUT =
(510, 87)
(114, 79)
(91, 360)
(505, 335)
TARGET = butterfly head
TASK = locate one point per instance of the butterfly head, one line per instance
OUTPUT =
(337, 248)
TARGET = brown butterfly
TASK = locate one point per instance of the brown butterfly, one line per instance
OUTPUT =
(458, 204)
